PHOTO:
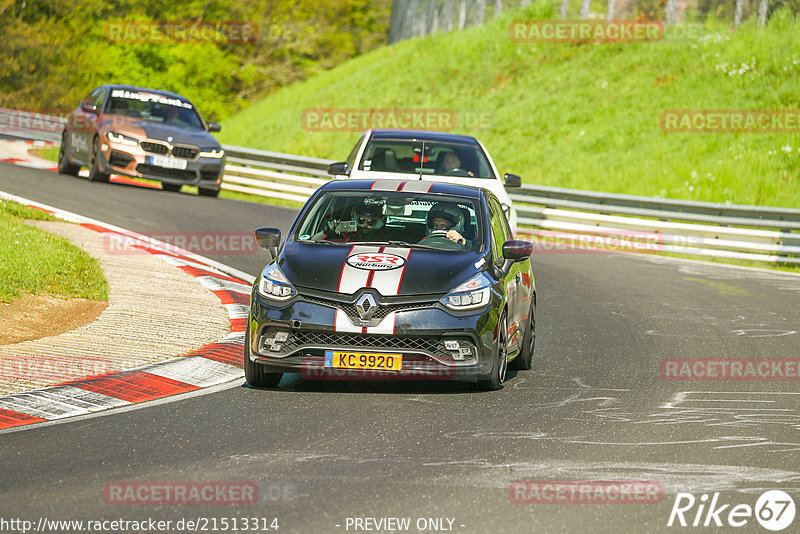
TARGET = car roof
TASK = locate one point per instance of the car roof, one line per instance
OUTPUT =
(410, 186)
(423, 135)
(161, 92)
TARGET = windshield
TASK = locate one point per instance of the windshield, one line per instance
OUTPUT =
(154, 108)
(396, 218)
(439, 158)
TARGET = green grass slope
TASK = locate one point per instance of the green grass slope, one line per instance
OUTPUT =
(582, 116)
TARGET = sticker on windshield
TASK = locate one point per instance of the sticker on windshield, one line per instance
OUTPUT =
(376, 261)
(149, 97)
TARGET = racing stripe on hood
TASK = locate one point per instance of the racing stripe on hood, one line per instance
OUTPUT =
(352, 279)
(417, 186)
(387, 184)
(388, 282)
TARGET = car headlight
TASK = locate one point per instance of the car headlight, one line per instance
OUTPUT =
(212, 153)
(122, 139)
(473, 293)
(274, 285)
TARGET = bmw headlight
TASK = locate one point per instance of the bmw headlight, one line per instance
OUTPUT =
(274, 285)
(473, 293)
(212, 153)
(122, 139)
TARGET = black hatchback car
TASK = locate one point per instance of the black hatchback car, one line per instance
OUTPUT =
(393, 279)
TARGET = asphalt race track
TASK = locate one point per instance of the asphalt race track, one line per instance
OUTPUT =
(323, 454)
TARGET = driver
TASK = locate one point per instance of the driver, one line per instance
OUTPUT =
(451, 162)
(445, 220)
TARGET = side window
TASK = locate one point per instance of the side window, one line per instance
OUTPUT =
(97, 97)
(497, 226)
(351, 159)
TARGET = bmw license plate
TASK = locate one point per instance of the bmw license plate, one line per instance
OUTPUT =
(363, 360)
(167, 162)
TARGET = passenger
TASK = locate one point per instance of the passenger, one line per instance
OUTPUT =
(368, 224)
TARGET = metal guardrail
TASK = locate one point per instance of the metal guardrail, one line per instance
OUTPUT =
(558, 215)
(565, 218)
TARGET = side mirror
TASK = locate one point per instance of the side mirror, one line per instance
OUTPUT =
(512, 180)
(517, 250)
(214, 126)
(340, 168)
(88, 108)
(269, 238)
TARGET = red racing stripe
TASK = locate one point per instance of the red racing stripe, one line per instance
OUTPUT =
(239, 325)
(230, 297)
(230, 353)
(344, 266)
(195, 271)
(133, 386)
(401, 186)
(10, 419)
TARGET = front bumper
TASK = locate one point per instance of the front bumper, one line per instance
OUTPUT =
(417, 332)
(134, 162)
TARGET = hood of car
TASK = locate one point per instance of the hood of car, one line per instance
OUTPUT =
(390, 270)
(140, 129)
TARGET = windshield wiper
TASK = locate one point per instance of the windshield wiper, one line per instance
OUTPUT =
(395, 244)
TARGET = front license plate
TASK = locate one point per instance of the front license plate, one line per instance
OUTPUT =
(363, 360)
(167, 162)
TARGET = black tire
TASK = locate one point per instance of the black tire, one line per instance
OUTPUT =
(64, 166)
(254, 373)
(524, 361)
(207, 192)
(495, 381)
(171, 187)
(95, 174)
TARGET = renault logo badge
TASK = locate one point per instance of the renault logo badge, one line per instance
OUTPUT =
(366, 306)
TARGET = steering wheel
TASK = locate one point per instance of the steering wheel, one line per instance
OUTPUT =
(457, 171)
(438, 238)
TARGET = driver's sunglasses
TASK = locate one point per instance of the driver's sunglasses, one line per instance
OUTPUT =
(367, 221)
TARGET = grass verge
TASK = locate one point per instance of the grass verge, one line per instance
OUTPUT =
(36, 262)
(576, 115)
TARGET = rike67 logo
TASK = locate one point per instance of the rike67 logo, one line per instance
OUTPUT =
(774, 510)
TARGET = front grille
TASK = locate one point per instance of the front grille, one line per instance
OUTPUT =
(362, 341)
(314, 344)
(164, 172)
(383, 309)
(185, 152)
(154, 148)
